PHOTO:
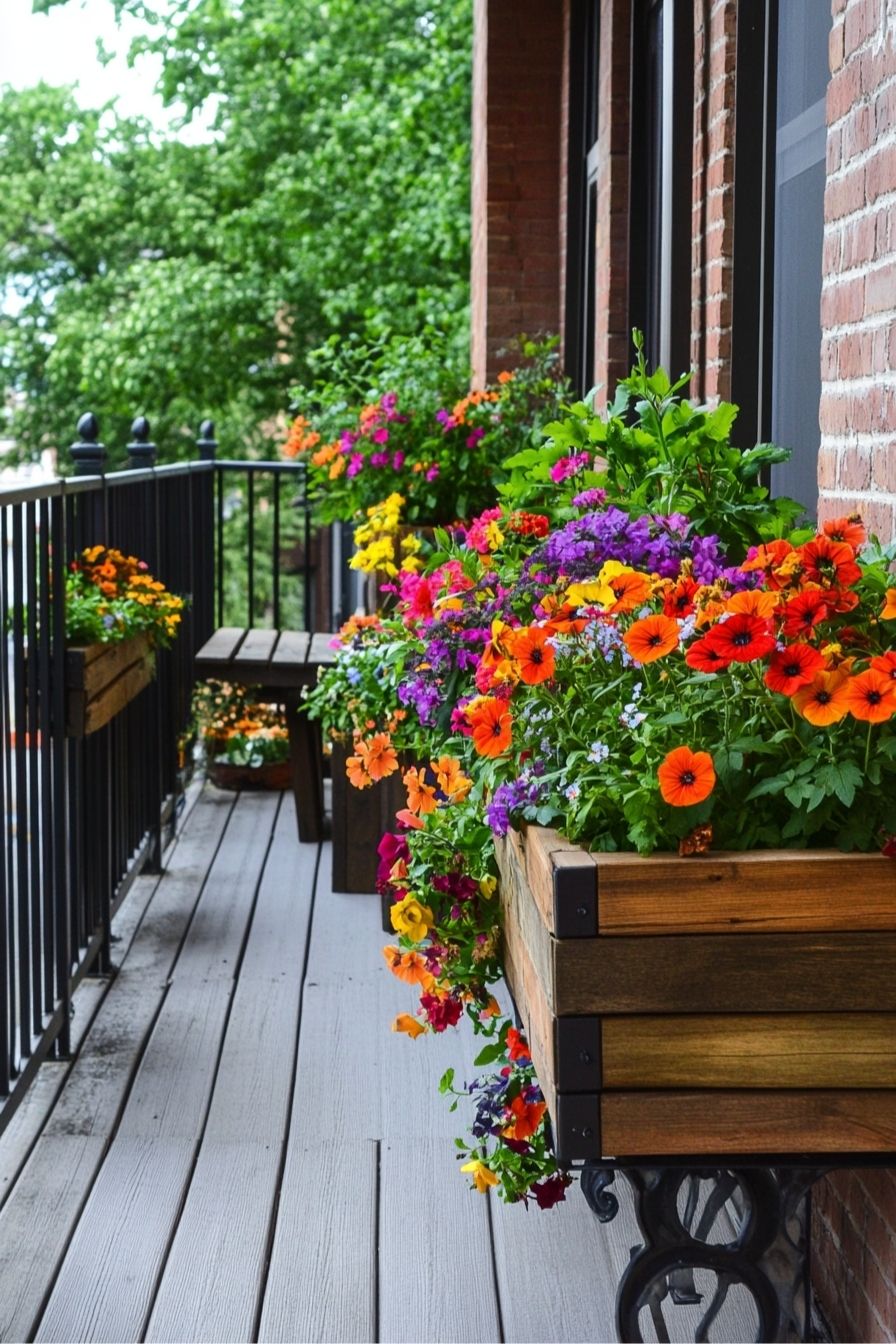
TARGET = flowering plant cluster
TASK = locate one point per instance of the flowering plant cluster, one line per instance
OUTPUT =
(441, 447)
(235, 728)
(632, 668)
(110, 596)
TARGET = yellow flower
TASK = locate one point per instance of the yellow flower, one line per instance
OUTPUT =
(483, 1176)
(409, 1025)
(488, 887)
(410, 917)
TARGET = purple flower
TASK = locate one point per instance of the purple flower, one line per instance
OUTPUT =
(379, 459)
(355, 464)
(590, 499)
(397, 461)
(432, 473)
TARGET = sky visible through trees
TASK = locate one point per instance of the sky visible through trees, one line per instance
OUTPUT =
(181, 276)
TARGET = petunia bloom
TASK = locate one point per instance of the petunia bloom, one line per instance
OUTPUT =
(651, 638)
(871, 696)
(409, 1025)
(824, 700)
(533, 654)
(378, 756)
(791, 668)
(483, 1176)
(492, 725)
(686, 777)
(411, 918)
(525, 1117)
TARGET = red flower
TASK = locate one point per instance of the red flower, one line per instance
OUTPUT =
(803, 612)
(885, 663)
(516, 1045)
(793, 667)
(742, 638)
(848, 529)
(703, 657)
(551, 1190)
(525, 1117)
(832, 563)
(441, 1010)
(680, 600)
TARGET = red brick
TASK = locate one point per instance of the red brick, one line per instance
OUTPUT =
(880, 289)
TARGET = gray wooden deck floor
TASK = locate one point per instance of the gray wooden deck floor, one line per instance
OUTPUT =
(243, 1150)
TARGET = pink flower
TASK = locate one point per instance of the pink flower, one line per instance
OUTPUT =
(355, 464)
(433, 473)
(474, 437)
(380, 435)
(568, 466)
(397, 461)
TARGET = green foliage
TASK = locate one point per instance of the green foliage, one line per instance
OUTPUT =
(188, 279)
(655, 452)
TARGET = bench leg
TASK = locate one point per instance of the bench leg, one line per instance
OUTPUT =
(306, 758)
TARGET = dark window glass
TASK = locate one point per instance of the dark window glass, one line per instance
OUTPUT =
(581, 273)
(800, 142)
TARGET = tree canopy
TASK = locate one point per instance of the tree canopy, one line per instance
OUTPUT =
(183, 280)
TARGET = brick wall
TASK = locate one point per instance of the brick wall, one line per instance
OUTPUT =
(855, 1213)
(715, 31)
(857, 461)
(517, 82)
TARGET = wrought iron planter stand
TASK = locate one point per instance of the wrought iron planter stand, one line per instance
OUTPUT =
(766, 1248)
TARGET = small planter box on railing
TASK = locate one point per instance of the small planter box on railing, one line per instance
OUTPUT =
(100, 679)
(730, 1004)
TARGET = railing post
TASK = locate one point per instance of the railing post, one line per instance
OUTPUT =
(207, 443)
(88, 453)
(141, 451)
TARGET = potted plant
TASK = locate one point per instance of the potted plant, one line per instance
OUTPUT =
(245, 741)
(116, 614)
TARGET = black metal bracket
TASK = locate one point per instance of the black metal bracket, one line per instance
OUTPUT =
(747, 1226)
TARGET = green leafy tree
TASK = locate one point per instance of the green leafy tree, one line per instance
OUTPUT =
(151, 275)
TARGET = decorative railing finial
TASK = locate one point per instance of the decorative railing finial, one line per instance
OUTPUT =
(88, 453)
(141, 451)
(207, 443)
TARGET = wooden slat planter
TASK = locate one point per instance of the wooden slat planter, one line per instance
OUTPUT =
(100, 679)
(361, 818)
(721, 1005)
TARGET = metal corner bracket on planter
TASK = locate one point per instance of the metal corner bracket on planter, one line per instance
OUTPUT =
(100, 679)
(729, 1018)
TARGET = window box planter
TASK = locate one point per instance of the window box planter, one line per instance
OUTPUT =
(100, 679)
(731, 1004)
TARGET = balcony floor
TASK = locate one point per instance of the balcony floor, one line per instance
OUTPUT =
(242, 1149)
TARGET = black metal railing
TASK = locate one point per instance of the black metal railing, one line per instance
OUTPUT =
(84, 815)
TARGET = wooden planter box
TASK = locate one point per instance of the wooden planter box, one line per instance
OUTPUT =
(100, 679)
(271, 775)
(730, 1004)
(361, 818)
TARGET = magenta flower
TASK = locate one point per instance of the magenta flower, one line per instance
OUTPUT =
(474, 437)
(355, 464)
(432, 473)
(568, 466)
(380, 435)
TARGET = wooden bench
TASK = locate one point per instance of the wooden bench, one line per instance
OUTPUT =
(280, 662)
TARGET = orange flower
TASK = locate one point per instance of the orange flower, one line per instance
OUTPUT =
(825, 699)
(527, 1116)
(492, 725)
(886, 663)
(409, 967)
(686, 777)
(631, 589)
(451, 779)
(378, 756)
(421, 796)
(407, 818)
(404, 1022)
(889, 611)
(505, 376)
(831, 563)
(652, 637)
(768, 558)
(753, 602)
(534, 654)
(871, 696)
(357, 775)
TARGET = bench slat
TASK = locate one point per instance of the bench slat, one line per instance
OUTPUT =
(222, 646)
(320, 652)
(291, 649)
(256, 648)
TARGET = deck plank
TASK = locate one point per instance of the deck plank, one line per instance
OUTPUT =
(322, 1282)
(220, 648)
(453, 1296)
(61, 1168)
(218, 928)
